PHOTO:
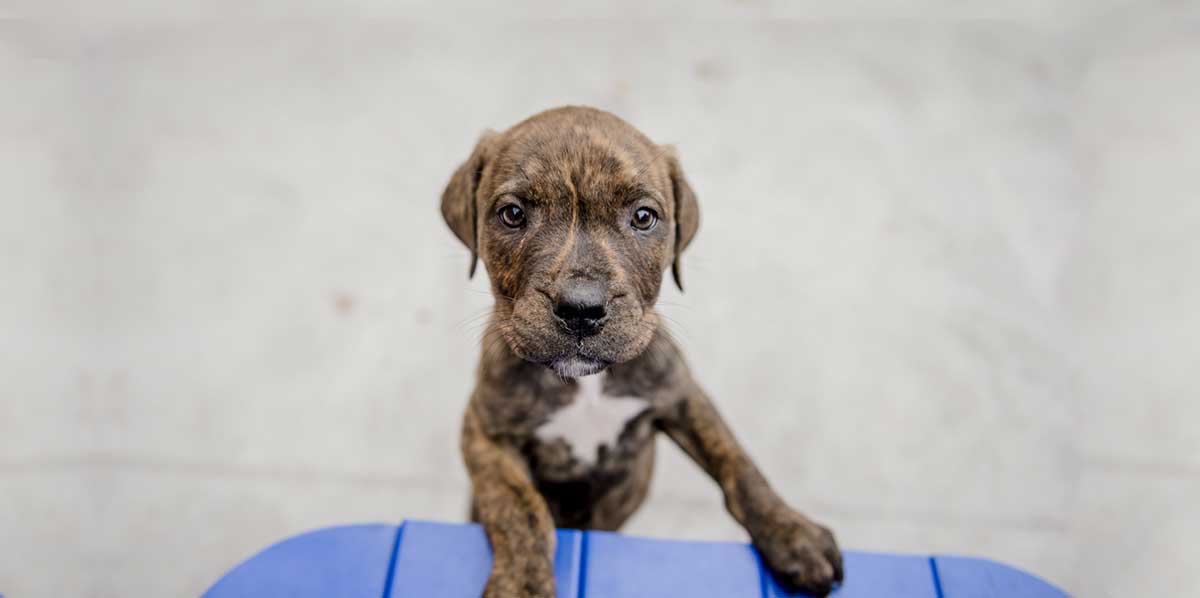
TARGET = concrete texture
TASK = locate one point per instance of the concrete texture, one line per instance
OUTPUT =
(945, 287)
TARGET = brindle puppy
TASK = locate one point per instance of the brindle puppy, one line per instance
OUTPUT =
(576, 216)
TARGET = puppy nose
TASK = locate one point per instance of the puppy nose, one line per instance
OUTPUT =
(581, 307)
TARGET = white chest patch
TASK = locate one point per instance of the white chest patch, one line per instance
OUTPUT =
(592, 419)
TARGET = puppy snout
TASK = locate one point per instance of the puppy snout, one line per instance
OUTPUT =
(581, 307)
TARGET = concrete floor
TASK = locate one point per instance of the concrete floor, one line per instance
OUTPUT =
(945, 287)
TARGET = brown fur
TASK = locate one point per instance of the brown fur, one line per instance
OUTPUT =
(578, 174)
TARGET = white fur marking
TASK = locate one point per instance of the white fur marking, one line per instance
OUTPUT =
(592, 419)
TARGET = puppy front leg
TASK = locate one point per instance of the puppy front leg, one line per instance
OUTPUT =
(514, 516)
(803, 554)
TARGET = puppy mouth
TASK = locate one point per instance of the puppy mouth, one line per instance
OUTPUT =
(533, 332)
(577, 365)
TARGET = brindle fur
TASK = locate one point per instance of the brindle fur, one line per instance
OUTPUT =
(579, 173)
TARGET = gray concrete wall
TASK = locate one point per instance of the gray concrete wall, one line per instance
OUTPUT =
(945, 288)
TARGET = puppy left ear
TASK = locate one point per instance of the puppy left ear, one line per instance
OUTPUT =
(458, 200)
(687, 213)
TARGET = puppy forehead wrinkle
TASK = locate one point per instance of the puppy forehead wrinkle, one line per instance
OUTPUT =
(531, 166)
(588, 156)
(513, 187)
(616, 156)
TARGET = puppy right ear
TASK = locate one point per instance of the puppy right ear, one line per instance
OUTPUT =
(687, 213)
(458, 200)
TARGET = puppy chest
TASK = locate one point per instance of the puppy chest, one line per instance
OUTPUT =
(591, 420)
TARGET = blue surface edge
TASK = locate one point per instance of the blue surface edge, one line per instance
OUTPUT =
(364, 561)
(348, 560)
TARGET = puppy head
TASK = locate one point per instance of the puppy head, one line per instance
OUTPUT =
(576, 215)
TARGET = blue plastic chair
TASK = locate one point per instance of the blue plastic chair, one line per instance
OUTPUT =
(420, 559)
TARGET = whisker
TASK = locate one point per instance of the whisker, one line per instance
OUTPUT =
(671, 335)
(674, 330)
(662, 152)
(483, 313)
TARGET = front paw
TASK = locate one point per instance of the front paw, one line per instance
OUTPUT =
(802, 554)
(529, 584)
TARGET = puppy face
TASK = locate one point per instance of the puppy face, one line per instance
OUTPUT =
(575, 215)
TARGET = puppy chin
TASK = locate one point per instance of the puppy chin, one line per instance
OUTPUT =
(576, 366)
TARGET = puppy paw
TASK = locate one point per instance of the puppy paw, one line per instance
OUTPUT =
(802, 554)
(508, 585)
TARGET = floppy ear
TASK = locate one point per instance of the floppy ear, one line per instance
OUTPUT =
(687, 214)
(458, 200)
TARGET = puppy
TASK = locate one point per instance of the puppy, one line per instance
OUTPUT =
(577, 216)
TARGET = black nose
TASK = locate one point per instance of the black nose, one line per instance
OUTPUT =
(581, 307)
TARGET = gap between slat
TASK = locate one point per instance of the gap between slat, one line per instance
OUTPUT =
(391, 571)
(763, 582)
(937, 580)
(581, 578)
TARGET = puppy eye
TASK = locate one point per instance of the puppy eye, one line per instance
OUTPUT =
(644, 219)
(512, 216)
